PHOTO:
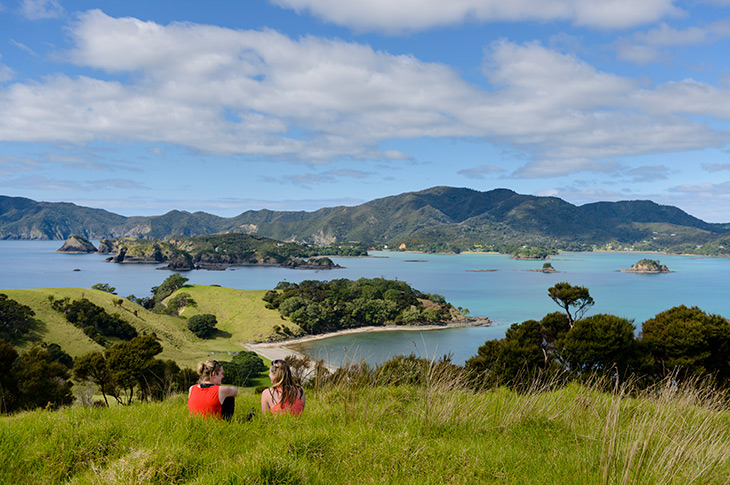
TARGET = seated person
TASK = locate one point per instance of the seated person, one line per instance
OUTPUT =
(284, 395)
(208, 397)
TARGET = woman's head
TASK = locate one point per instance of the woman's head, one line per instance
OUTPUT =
(280, 374)
(208, 369)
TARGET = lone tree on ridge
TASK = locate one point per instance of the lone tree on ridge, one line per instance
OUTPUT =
(567, 295)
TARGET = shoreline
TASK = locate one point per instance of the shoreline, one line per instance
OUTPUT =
(280, 349)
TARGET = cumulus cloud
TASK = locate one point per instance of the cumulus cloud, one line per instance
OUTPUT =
(263, 94)
(413, 15)
(41, 9)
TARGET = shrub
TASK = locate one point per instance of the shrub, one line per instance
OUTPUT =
(203, 325)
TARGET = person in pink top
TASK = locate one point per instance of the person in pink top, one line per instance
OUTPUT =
(284, 395)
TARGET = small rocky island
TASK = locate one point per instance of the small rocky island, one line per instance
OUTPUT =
(546, 268)
(647, 266)
(77, 244)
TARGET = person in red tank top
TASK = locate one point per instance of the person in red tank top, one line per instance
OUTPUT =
(208, 397)
(284, 395)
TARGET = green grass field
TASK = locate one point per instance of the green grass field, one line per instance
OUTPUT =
(431, 434)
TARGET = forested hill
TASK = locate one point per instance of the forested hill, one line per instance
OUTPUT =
(435, 219)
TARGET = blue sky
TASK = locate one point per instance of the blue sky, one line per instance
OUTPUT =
(142, 107)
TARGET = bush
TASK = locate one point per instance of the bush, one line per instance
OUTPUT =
(203, 325)
(245, 366)
(16, 320)
(94, 320)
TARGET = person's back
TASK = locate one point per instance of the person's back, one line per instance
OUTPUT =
(281, 406)
(208, 397)
(284, 396)
(203, 399)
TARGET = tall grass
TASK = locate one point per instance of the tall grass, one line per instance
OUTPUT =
(360, 430)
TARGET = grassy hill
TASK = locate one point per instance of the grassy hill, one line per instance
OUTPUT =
(430, 434)
(241, 315)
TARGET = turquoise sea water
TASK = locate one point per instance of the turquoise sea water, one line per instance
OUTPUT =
(510, 294)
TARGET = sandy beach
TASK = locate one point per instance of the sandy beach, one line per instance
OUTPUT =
(281, 348)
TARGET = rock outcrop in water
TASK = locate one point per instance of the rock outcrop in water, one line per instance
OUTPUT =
(77, 244)
(647, 266)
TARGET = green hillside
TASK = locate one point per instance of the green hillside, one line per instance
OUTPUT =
(241, 315)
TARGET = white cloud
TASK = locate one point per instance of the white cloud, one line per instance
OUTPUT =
(41, 9)
(261, 93)
(6, 74)
(413, 15)
(650, 46)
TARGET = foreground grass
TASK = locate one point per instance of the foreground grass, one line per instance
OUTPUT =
(430, 434)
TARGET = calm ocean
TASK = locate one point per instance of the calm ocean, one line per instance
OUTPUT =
(510, 294)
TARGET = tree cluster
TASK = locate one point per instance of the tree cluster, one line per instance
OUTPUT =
(154, 302)
(37, 378)
(128, 369)
(96, 323)
(203, 325)
(16, 319)
(684, 342)
(323, 306)
(244, 367)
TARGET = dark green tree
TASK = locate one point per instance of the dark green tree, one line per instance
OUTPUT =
(94, 320)
(689, 340)
(203, 325)
(171, 284)
(93, 367)
(568, 296)
(16, 320)
(8, 381)
(106, 287)
(56, 353)
(600, 343)
(42, 381)
(245, 366)
(129, 362)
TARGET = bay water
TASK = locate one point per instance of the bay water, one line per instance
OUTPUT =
(490, 285)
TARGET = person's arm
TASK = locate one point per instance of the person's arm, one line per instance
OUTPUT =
(226, 391)
(265, 401)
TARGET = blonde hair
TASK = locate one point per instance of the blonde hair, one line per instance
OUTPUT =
(284, 379)
(207, 369)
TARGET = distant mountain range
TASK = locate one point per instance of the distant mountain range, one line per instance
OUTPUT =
(437, 219)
